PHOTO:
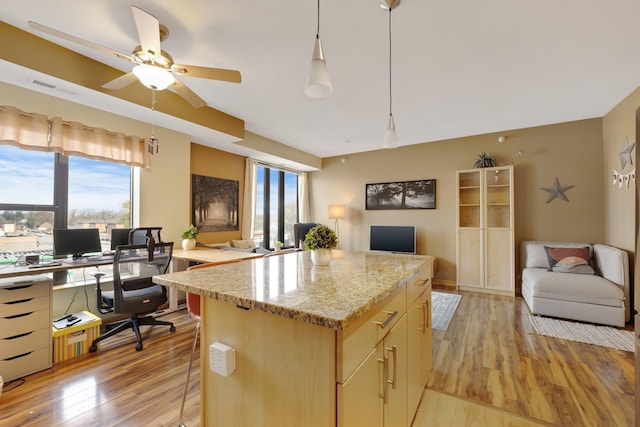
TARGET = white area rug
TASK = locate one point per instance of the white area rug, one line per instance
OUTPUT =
(443, 308)
(581, 332)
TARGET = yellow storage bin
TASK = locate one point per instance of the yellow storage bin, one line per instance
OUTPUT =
(74, 340)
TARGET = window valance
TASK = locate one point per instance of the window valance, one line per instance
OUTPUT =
(32, 131)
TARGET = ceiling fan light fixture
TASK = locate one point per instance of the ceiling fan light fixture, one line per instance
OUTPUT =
(390, 136)
(153, 77)
(318, 83)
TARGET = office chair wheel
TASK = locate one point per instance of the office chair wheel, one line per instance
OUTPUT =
(93, 348)
(139, 346)
(172, 328)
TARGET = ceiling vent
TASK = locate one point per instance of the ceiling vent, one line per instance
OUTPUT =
(45, 84)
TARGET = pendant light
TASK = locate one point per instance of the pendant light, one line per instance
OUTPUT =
(318, 83)
(390, 137)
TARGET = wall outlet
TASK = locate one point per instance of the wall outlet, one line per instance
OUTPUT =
(222, 359)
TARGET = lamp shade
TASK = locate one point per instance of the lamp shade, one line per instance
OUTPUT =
(390, 137)
(318, 83)
(337, 211)
(153, 77)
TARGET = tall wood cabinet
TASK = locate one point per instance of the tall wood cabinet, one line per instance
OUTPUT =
(485, 248)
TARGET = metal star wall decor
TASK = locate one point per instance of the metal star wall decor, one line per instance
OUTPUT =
(625, 153)
(557, 191)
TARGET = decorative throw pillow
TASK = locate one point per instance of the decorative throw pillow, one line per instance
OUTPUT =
(243, 244)
(569, 260)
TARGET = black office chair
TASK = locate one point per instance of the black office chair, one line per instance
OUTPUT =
(143, 235)
(300, 230)
(134, 292)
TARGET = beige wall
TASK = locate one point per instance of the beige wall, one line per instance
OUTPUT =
(621, 214)
(218, 164)
(570, 151)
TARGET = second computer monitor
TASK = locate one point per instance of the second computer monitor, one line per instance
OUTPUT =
(119, 237)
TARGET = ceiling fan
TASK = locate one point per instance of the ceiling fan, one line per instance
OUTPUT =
(154, 67)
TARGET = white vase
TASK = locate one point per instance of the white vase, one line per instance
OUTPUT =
(321, 256)
(188, 244)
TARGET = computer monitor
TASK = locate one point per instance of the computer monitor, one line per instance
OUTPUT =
(119, 237)
(76, 241)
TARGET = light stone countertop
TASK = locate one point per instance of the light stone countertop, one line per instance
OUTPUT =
(289, 285)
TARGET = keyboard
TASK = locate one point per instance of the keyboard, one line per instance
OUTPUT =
(45, 264)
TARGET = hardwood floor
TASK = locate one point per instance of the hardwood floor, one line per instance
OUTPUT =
(491, 356)
(490, 369)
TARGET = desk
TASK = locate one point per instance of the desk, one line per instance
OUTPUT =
(23, 270)
(202, 255)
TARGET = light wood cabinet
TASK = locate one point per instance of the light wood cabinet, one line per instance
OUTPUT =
(485, 254)
(386, 387)
(25, 325)
(418, 348)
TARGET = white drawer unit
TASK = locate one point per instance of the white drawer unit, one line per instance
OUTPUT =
(25, 325)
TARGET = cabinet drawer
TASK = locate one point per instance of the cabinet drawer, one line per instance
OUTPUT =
(26, 363)
(355, 342)
(20, 291)
(24, 343)
(26, 305)
(31, 321)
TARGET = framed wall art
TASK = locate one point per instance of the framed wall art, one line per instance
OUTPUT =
(401, 195)
(215, 204)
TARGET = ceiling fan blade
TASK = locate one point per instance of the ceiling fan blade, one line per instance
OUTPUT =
(120, 82)
(148, 30)
(77, 40)
(187, 94)
(232, 76)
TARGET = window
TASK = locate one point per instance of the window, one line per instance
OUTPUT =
(42, 191)
(276, 206)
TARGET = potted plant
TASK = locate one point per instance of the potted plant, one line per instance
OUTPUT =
(320, 240)
(188, 236)
(278, 245)
(484, 160)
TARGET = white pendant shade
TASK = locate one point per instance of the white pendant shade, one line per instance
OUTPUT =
(153, 77)
(390, 137)
(318, 83)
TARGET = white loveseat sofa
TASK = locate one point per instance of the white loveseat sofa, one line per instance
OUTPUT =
(602, 297)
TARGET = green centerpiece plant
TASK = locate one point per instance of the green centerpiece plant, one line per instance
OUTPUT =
(320, 240)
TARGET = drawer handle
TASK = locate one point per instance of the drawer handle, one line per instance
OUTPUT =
(18, 336)
(15, 316)
(17, 288)
(389, 319)
(427, 313)
(18, 356)
(20, 301)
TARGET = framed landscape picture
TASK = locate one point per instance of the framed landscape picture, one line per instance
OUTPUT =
(215, 204)
(401, 195)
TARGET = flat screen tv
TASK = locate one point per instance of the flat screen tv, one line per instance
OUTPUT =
(119, 237)
(393, 238)
(76, 241)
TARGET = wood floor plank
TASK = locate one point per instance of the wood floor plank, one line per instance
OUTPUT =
(489, 369)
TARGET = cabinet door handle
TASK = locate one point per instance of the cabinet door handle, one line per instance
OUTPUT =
(389, 319)
(393, 351)
(424, 326)
(427, 312)
(385, 378)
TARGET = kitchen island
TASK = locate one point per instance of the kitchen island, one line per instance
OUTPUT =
(346, 344)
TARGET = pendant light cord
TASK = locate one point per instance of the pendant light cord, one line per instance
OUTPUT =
(390, 97)
(318, 27)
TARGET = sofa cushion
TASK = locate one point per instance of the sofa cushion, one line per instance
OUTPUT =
(569, 260)
(589, 289)
(533, 254)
